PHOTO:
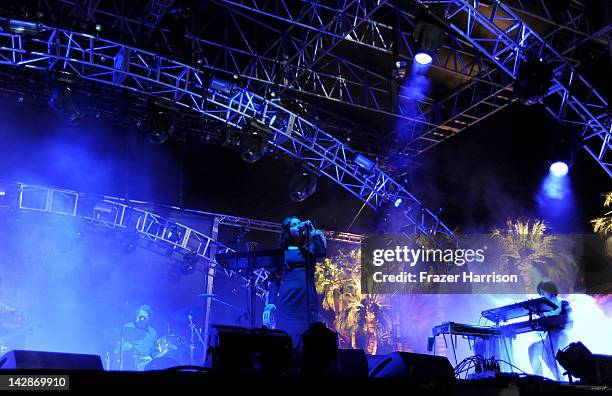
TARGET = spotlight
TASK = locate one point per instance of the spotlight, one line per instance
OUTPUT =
(87, 27)
(161, 124)
(400, 68)
(367, 164)
(397, 202)
(559, 169)
(174, 234)
(189, 263)
(62, 99)
(302, 184)
(217, 84)
(382, 222)
(253, 145)
(423, 58)
(565, 143)
(533, 80)
(428, 35)
(131, 240)
(20, 27)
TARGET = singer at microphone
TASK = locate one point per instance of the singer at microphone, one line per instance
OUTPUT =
(291, 288)
(306, 225)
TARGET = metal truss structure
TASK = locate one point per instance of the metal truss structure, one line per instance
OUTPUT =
(303, 54)
(136, 220)
(487, 41)
(571, 99)
(71, 53)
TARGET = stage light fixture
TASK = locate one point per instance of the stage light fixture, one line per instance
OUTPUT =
(19, 27)
(217, 84)
(400, 68)
(428, 36)
(382, 221)
(253, 143)
(397, 202)
(559, 169)
(62, 99)
(533, 80)
(367, 164)
(161, 125)
(564, 146)
(130, 243)
(174, 234)
(190, 261)
(5, 196)
(423, 58)
(579, 362)
(302, 184)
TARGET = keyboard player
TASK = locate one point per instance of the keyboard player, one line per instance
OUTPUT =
(555, 337)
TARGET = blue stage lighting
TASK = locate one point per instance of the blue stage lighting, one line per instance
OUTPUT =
(423, 58)
(559, 169)
(397, 202)
(217, 84)
(19, 27)
(367, 164)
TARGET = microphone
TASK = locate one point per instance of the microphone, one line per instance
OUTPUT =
(305, 224)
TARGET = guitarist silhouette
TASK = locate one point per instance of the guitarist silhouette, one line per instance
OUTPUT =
(139, 340)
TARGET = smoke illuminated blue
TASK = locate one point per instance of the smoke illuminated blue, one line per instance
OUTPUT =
(556, 204)
(423, 58)
(555, 187)
(559, 169)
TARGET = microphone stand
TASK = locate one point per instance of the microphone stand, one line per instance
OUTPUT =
(193, 329)
(309, 275)
(252, 247)
(122, 336)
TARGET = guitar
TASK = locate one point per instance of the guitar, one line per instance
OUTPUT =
(139, 360)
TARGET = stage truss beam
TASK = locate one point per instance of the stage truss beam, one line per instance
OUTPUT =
(131, 219)
(431, 123)
(67, 53)
(571, 100)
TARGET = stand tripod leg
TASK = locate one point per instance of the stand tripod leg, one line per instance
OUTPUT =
(551, 357)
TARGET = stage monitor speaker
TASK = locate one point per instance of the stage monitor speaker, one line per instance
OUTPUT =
(318, 350)
(249, 349)
(414, 365)
(352, 363)
(15, 360)
(579, 362)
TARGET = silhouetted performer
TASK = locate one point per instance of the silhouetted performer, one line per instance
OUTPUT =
(292, 298)
(557, 334)
(139, 340)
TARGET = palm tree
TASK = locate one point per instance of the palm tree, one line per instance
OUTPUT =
(603, 225)
(365, 318)
(359, 319)
(332, 282)
(535, 254)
